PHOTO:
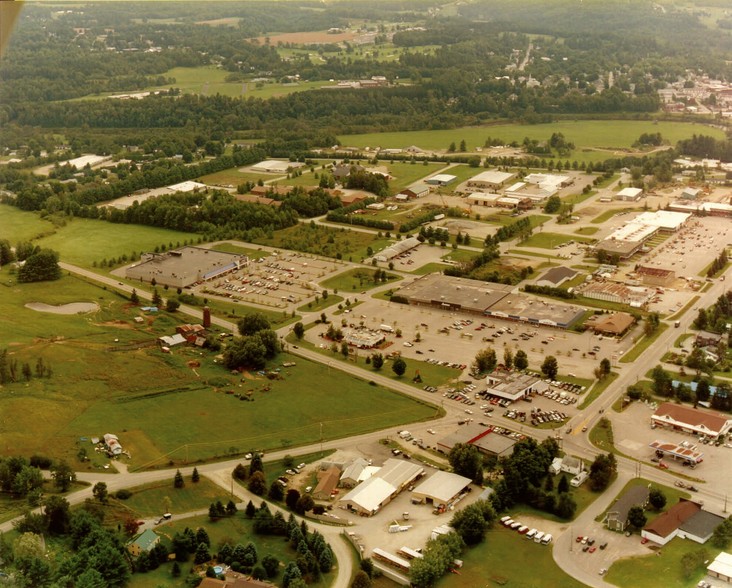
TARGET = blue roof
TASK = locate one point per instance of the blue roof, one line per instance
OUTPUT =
(713, 390)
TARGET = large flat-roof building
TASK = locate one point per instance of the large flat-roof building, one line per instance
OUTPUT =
(633, 296)
(479, 436)
(452, 293)
(488, 181)
(440, 180)
(629, 194)
(185, 266)
(397, 249)
(535, 310)
(276, 166)
(514, 386)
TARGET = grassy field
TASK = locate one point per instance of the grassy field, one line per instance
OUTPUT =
(234, 177)
(551, 240)
(506, 558)
(586, 231)
(254, 253)
(18, 225)
(151, 500)
(353, 280)
(599, 387)
(608, 214)
(237, 529)
(659, 569)
(642, 345)
(84, 241)
(611, 137)
(163, 405)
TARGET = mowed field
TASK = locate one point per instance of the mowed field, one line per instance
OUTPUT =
(85, 241)
(180, 405)
(609, 137)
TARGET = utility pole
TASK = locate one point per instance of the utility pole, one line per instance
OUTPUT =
(321, 436)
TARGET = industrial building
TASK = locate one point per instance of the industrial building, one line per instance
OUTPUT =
(372, 495)
(629, 194)
(440, 180)
(276, 166)
(514, 386)
(481, 437)
(397, 249)
(488, 180)
(441, 488)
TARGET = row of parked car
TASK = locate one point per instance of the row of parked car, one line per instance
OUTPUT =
(457, 366)
(588, 544)
(535, 535)
(541, 416)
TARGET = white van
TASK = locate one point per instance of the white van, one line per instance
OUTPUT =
(547, 539)
(538, 537)
(579, 479)
(530, 534)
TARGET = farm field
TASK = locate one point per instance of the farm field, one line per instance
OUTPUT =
(502, 560)
(611, 137)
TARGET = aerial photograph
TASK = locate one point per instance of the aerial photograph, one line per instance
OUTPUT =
(366, 293)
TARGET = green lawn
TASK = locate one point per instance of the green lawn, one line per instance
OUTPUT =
(672, 493)
(642, 345)
(587, 230)
(234, 177)
(150, 500)
(507, 558)
(585, 134)
(406, 174)
(85, 241)
(661, 568)
(599, 387)
(253, 253)
(354, 280)
(551, 240)
(608, 214)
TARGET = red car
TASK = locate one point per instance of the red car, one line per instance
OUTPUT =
(579, 539)
(592, 549)
(644, 540)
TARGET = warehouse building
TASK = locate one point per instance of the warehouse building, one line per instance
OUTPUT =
(488, 180)
(452, 293)
(382, 487)
(441, 488)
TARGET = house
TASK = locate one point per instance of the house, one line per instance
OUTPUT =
(690, 420)
(616, 518)
(707, 339)
(556, 276)
(144, 542)
(666, 526)
(327, 483)
(113, 444)
(572, 465)
(721, 567)
(556, 466)
(341, 172)
(234, 580)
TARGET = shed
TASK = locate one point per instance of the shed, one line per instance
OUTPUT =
(721, 567)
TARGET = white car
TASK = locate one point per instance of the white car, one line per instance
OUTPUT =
(407, 344)
(431, 431)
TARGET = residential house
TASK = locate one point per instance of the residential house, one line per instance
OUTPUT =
(616, 518)
(327, 483)
(144, 542)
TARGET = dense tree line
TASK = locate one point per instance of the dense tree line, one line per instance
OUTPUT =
(257, 344)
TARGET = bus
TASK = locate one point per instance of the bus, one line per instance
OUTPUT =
(409, 553)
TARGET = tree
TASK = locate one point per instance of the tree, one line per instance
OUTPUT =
(466, 460)
(58, 514)
(566, 506)
(399, 367)
(602, 471)
(521, 360)
(253, 323)
(175, 570)
(100, 492)
(195, 477)
(172, 305)
(304, 504)
(40, 267)
(292, 497)
(472, 522)
(63, 475)
(563, 485)
(90, 578)
(693, 561)
(178, 481)
(377, 361)
(202, 554)
(299, 330)
(291, 572)
(134, 297)
(723, 534)
(157, 300)
(276, 491)
(257, 483)
(605, 368)
(657, 499)
(661, 382)
(256, 464)
(637, 517)
(361, 580)
(485, 360)
(550, 367)
(553, 204)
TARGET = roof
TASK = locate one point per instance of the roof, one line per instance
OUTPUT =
(635, 496)
(145, 540)
(571, 462)
(354, 469)
(702, 524)
(187, 186)
(664, 219)
(443, 486)
(557, 275)
(709, 335)
(171, 340)
(691, 416)
(481, 437)
(492, 177)
(398, 472)
(630, 192)
(369, 495)
(445, 178)
(327, 480)
(673, 518)
(654, 271)
(615, 323)
(722, 565)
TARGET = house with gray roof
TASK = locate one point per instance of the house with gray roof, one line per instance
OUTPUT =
(616, 518)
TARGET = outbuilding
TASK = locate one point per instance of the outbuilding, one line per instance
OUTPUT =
(441, 488)
(440, 180)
